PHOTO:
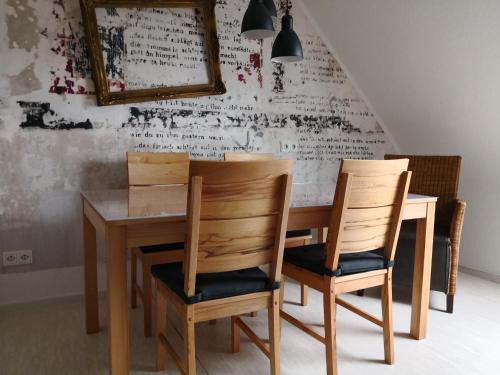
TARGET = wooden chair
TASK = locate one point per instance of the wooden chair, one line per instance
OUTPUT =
(245, 156)
(294, 238)
(366, 215)
(437, 176)
(237, 217)
(151, 172)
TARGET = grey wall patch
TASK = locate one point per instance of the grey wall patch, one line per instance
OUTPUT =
(22, 28)
(25, 82)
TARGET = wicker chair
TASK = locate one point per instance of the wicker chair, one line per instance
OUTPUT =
(436, 176)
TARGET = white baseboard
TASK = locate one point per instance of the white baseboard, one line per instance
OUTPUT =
(481, 274)
(39, 285)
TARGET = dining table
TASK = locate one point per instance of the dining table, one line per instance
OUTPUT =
(143, 216)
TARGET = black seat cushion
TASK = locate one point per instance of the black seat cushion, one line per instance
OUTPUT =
(214, 285)
(163, 247)
(298, 233)
(313, 257)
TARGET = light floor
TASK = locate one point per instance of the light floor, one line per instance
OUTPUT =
(49, 338)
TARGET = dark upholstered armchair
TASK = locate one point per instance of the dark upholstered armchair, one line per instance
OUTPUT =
(436, 176)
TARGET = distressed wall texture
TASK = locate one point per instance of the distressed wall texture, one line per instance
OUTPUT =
(54, 140)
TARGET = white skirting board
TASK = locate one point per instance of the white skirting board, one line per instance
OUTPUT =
(481, 274)
(54, 283)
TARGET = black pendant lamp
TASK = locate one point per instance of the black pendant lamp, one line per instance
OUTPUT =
(257, 22)
(271, 7)
(287, 46)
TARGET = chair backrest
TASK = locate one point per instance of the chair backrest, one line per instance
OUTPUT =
(157, 168)
(437, 176)
(368, 208)
(237, 217)
(237, 156)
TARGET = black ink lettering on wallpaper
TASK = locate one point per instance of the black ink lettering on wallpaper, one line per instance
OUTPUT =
(39, 115)
(171, 119)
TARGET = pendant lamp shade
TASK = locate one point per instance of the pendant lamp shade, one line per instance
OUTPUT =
(257, 22)
(271, 7)
(287, 46)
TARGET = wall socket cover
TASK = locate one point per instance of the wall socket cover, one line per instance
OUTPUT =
(16, 258)
(288, 146)
(9, 258)
(24, 257)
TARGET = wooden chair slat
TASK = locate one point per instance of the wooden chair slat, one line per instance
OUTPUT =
(373, 167)
(363, 235)
(221, 237)
(376, 242)
(262, 188)
(155, 168)
(236, 261)
(362, 216)
(373, 191)
(149, 200)
(214, 173)
(239, 208)
(237, 156)
(242, 227)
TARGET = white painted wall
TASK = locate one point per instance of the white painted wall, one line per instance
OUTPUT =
(431, 70)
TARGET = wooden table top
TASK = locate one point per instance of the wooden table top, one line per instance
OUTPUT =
(168, 203)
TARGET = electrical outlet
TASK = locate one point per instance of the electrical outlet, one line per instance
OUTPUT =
(16, 258)
(10, 258)
(24, 257)
(289, 146)
(285, 146)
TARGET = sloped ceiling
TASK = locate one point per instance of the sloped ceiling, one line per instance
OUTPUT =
(431, 71)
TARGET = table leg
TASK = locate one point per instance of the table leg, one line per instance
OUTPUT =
(90, 275)
(422, 273)
(117, 299)
(322, 234)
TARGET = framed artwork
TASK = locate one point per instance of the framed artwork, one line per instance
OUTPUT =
(152, 50)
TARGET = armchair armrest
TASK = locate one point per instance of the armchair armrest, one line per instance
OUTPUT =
(455, 236)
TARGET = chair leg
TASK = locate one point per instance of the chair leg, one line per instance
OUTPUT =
(189, 342)
(330, 311)
(282, 292)
(147, 295)
(274, 333)
(161, 329)
(387, 320)
(235, 335)
(133, 273)
(450, 300)
(303, 294)
(304, 289)
(282, 297)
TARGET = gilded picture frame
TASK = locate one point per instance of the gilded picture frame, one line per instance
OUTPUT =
(214, 86)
